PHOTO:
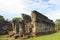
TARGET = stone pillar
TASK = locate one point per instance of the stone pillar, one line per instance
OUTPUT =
(33, 30)
(13, 26)
(20, 30)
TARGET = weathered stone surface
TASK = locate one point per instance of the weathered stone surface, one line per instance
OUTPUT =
(40, 17)
(41, 23)
(36, 23)
(26, 18)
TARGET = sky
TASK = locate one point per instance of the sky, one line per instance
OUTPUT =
(14, 8)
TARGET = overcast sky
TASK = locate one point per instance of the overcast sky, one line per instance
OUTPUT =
(13, 8)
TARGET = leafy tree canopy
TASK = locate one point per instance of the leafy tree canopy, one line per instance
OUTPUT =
(1, 18)
(57, 24)
(17, 19)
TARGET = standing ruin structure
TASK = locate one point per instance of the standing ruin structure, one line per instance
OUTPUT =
(33, 24)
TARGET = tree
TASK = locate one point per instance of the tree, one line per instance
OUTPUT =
(1, 18)
(57, 24)
(4, 24)
(17, 19)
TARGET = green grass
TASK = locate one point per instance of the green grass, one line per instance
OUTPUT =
(55, 36)
(3, 37)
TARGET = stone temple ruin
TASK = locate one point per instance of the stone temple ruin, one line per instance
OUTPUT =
(4, 25)
(37, 23)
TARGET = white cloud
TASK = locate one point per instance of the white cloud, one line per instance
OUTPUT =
(11, 5)
(54, 15)
(54, 9)
(20, 6)
(54, 1)
(13, 8)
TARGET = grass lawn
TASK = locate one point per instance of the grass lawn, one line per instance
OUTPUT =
(3, 37)
(55, 36)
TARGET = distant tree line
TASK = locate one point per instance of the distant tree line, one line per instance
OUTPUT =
(57, 24)
(3, 25)
(2, 18)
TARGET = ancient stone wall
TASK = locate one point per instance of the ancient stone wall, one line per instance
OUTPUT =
(46, 24)
(27, 21)
(33, 24)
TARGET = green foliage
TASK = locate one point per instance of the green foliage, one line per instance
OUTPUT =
(57, 24)
(1, 18)
(16, 19)
(3, 24)
(3, 37)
